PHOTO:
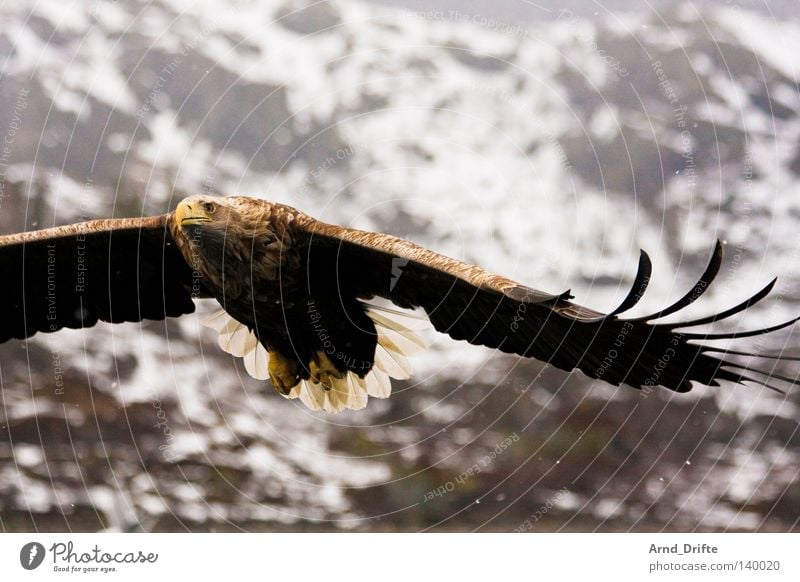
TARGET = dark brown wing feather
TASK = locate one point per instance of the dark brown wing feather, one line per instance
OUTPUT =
(471, 304)
(103, 270)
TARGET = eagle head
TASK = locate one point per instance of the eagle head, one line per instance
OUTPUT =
(217, 234)
(201, 211)
(211, 213)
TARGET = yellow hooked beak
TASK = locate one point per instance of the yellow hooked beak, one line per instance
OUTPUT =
(192, 212)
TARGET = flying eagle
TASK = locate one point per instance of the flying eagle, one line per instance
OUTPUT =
(298, 301)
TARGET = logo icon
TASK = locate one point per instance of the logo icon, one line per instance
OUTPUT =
(31, 555)
(398, 264)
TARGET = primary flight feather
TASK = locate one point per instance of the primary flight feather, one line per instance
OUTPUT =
(295, 293)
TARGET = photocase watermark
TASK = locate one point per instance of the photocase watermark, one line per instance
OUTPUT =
(330, 162)
(475, 469)
(31, 555)
(52, 318)
(565, 15)
(6, 146)
(665, 83)
(64, 557)
(196, 262)
(167, 72)
(686, 147)
(81, 267)
(519, 316)
(327, 343)
(478, 19)
(679, 112)
(162, 423)
(81, 264)
(744, 215)
(612, 354)
(543, 510)
(57, 277)
(661, 365)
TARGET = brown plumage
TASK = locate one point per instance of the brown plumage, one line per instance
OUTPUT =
(294, 293)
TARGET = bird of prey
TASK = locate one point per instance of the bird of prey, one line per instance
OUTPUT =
(299, 301)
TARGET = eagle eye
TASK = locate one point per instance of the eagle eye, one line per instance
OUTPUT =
(209, 207)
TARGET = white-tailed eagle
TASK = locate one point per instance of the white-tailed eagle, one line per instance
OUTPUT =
(295, 299)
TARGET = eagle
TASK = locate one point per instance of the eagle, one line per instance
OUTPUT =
(330, 314)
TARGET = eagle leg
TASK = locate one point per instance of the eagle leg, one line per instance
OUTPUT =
(323, 370)
(284, 373)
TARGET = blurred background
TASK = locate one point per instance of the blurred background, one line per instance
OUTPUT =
(547, 141)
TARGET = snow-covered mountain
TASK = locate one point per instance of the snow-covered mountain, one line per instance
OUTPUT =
(549, 152)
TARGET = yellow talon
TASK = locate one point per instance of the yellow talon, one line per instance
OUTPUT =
(283, 372)
(323, 370)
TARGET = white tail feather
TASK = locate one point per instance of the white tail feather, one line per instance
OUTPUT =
(256, 362)
(236, 339)
(378, 384)
(397, 320)
(393, 363)
(398, 337)
(217, 320)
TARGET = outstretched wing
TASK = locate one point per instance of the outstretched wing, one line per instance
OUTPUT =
(102, 270)
(471, 304)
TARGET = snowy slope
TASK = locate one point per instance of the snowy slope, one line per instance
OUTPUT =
(550, 152)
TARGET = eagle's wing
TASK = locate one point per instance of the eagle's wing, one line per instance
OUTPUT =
(469, 303)
(102, 270)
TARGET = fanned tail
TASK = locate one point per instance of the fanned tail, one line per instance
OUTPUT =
(398, 337)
